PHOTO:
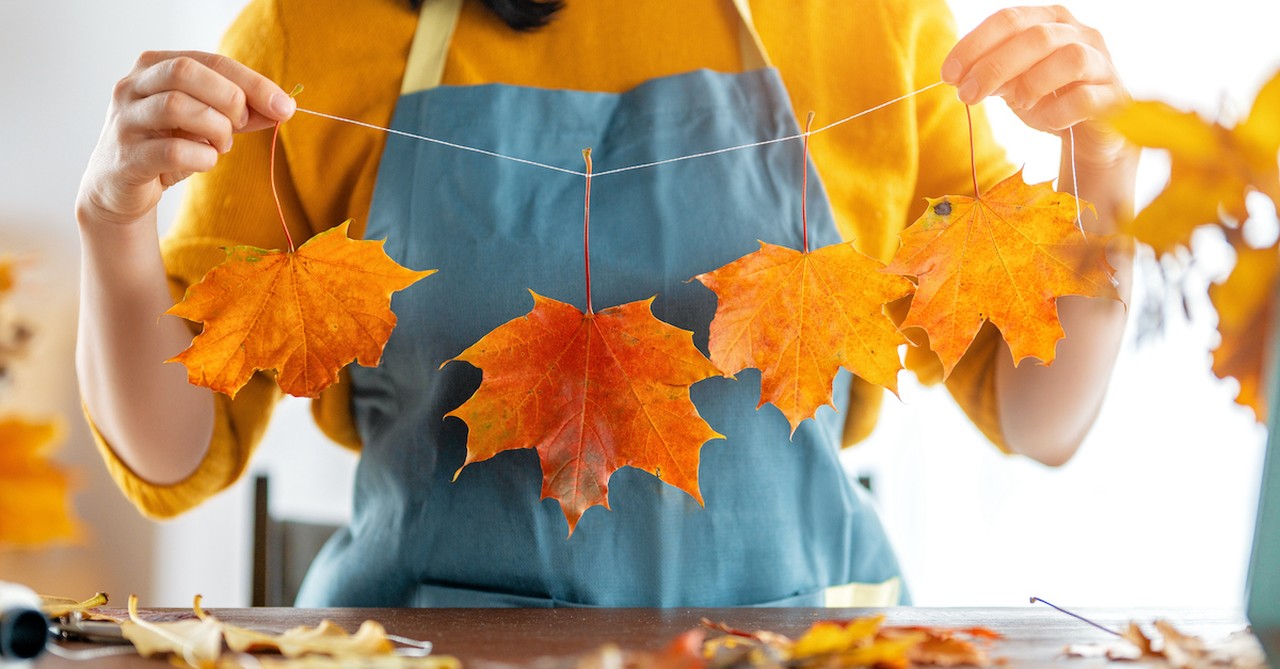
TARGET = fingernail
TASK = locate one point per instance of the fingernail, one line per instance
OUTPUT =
(244, 118)
(282, 105)
(968, 92)
(226, 146)
(950, 70)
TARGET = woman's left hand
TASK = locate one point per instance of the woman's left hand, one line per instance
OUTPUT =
(1052, 70)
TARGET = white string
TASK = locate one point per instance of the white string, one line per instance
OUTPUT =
(442, 142)
(1075, 191)
(619, 170)
(1075, 184)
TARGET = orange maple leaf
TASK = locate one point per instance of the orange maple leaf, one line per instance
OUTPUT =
(35, 501)
(1246, 311)
(1212, 167)
(1004, 257)
(799, 317)
(591, 393)
(304, 314)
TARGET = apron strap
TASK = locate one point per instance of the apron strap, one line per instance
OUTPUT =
(754, 55)
(425, 67)
(438, 18)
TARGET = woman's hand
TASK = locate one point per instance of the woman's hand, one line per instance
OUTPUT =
(1056, 74)
(172, 115)
(1053, 71)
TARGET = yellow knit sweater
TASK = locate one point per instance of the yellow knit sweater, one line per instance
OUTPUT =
(836, 58)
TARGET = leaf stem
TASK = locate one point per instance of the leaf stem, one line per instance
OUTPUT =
(586, 228)
(275, 135)
(804, 183)
(973, 161)
(275, 139)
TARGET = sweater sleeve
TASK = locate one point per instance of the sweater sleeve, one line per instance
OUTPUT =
(945, 169)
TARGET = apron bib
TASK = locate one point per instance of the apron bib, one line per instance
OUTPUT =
(782, 522)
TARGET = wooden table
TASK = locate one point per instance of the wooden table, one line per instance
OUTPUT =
(1035, 635)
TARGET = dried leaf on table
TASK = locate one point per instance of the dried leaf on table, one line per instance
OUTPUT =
(327, 638)
(591, 393)
(323, 662)
(1113, 652)
(860, 642)
(1212, 167)
(799, 317)
(195, 642)
(1005, 257)
(827, 637)
(763, 636)
(58, 607)
(684, 652)
(305, 314)
(1178, 650)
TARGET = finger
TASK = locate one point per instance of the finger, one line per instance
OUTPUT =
(170, 178)
(1072, 105)
(262, 94)
(1073, 63)
(1012, 59)
(994, 31)
(257, 122)
(177, 111)
(169, 155)
(220, 82)
(190, 76)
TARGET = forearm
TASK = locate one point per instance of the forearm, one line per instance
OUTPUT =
(173, 115)
(156, 422)
(1046, 411)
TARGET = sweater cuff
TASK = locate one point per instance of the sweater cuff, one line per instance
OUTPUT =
(222, 465)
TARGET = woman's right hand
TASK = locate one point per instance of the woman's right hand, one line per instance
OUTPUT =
(171, 116)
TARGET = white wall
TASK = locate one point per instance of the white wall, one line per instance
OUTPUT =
(1156, 509)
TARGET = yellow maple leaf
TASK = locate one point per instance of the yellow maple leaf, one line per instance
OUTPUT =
(35, 502)
(6, 276)
(1246, 311)
(1003, 257)
(1212, 167)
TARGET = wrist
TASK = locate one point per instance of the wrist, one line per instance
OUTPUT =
(99, 223)
(114, 246)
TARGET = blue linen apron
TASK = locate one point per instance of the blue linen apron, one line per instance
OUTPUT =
(782, 521)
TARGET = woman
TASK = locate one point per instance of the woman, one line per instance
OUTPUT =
(637, 82)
